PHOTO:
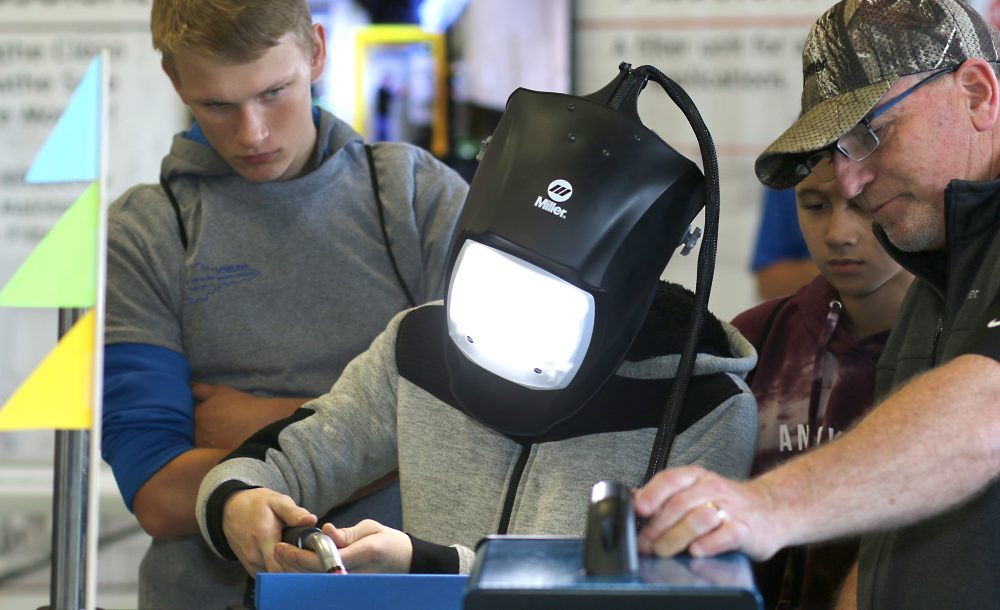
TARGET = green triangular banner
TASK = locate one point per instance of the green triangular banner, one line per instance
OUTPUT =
(62, 270)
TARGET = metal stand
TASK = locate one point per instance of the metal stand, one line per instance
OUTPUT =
(75, 495)
(69, 506)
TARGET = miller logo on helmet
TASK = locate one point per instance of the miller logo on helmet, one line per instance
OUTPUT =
(559, 191)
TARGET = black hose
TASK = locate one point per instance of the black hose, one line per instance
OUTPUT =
(706, 269)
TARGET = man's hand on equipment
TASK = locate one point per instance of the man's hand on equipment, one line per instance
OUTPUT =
(695, 509)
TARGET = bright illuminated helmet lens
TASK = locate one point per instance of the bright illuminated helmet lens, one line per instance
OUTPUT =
(516, 320)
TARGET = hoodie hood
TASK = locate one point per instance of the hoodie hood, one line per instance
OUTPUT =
(655, 353)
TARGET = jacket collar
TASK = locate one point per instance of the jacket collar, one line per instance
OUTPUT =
(972, 217)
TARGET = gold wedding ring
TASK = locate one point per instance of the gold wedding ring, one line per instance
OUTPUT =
(720, 513)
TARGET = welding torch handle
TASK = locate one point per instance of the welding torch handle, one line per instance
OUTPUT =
(313, 539)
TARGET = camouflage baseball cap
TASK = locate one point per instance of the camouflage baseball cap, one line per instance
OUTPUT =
(853, 55)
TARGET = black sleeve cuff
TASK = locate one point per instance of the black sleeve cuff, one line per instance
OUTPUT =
(430, 558)
(213, 515)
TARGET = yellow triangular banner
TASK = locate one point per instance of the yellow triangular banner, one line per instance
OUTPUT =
(59, 392)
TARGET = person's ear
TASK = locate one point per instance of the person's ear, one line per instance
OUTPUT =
(981, 92)
(318, 59)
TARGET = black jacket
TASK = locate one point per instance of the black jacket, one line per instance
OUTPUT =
(951, 560)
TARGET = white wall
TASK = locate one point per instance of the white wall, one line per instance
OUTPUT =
(506, 44)
(45, 48)
(739, 61)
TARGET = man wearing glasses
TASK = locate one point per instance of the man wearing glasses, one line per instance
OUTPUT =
(900, 106)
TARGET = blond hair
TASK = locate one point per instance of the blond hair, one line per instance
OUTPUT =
(234, 31)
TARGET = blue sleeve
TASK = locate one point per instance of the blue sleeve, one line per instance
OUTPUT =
(148, 412)
(779, 236)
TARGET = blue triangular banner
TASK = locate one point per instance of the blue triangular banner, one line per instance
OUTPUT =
(70, 154)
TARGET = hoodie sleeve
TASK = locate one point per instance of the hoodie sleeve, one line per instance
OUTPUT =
(430, 558)
(324, 451)
(145, 271)
(148, 415)
(731, 425)
(148, 409)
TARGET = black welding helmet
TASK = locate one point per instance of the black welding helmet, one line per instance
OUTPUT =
(573, 213)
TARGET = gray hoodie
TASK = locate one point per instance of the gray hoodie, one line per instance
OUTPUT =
(459, 479)
(281, 284)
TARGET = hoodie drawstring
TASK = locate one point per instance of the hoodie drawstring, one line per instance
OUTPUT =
(830, 325)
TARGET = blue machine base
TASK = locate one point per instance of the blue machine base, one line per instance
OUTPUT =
(383, 591)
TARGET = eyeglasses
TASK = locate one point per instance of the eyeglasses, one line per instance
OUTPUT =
(861, 141)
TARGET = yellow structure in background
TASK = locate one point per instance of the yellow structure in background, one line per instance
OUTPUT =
(378, 35)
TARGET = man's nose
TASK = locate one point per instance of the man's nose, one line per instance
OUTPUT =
(252, 129)
(851, 176)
